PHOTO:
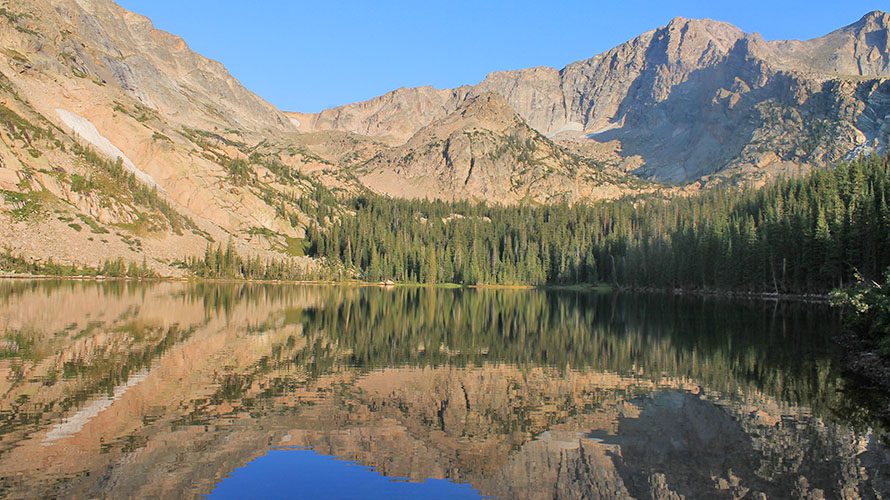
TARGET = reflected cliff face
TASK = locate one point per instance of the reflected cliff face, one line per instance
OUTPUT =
(180, 390)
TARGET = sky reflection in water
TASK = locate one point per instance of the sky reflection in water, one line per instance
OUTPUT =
(184, 390)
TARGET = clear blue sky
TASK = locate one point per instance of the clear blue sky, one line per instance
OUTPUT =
(309, 55)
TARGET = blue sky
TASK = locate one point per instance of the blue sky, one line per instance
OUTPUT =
(307, 56)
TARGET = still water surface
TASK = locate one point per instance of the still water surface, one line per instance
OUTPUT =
(179, 390)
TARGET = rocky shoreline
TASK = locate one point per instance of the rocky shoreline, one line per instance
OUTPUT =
(869, 371)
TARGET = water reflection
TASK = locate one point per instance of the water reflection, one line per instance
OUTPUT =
(174, 389)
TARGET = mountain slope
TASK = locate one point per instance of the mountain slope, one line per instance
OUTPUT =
(485, 151)
(693, 98)
(98, 41)
(84, 83)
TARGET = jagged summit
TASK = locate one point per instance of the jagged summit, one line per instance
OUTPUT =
(687, 100)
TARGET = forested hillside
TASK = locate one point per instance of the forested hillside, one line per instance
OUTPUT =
(800, 235)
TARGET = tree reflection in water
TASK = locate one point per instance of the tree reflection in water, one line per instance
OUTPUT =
(164, 388)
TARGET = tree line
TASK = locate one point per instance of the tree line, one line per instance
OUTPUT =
(226, 263)
(801, 235)
(109, 268)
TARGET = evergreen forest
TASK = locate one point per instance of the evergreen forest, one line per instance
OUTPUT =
(807, 234)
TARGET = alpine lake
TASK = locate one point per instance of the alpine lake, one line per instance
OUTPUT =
(183, 390)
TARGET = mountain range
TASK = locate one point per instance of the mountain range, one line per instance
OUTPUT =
(118, 141)
(686, 101)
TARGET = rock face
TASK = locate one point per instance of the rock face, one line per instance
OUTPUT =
(692, 98)
(113, 45)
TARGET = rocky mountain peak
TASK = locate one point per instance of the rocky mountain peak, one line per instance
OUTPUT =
(718, 31)
(488, 114)
(693, 43)
(488, 110)
(874, 20)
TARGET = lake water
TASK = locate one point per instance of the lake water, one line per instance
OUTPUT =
(176, 390)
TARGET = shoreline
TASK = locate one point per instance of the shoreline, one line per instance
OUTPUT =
(815, 298)
(860, 361)
(579, 287)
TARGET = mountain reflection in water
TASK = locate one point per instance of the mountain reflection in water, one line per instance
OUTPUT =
(180, 390)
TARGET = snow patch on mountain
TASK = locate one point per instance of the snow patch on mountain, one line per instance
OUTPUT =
(85, 129)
